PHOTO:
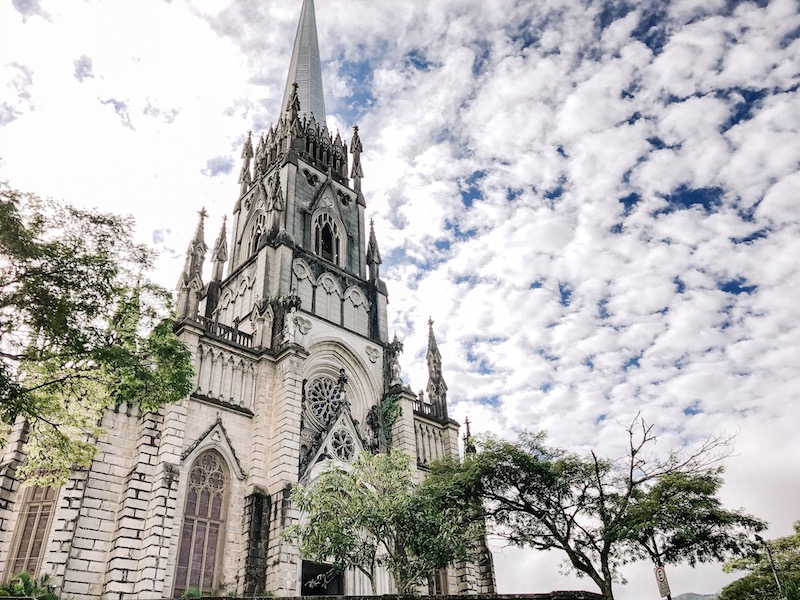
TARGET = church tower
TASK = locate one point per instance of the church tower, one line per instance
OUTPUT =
(294, 370)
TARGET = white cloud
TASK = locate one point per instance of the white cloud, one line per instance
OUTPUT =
(546, 122)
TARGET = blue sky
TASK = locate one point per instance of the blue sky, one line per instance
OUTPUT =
(596, 202)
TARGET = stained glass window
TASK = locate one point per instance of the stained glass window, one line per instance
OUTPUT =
(202, 532)
(323, 395)
(343, 445)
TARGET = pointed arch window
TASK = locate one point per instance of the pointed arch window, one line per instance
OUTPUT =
(257, 234)
(327, 240)
(38, 505)
(202, 532)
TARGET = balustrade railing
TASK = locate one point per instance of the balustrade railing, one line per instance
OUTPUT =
(225, 332)
(433, 411)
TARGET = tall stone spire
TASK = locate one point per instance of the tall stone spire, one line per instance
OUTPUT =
(304, 68)
(437, 388)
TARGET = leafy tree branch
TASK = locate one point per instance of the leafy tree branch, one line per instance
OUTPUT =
(81, 330)
(601, 513)
(375, 516)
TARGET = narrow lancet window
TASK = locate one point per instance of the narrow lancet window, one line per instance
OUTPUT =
(327, 242)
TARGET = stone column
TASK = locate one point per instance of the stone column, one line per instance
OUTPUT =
(283, 445)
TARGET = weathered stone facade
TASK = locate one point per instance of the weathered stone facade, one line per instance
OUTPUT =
(294, 368)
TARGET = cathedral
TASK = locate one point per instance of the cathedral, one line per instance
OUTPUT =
(295, 370)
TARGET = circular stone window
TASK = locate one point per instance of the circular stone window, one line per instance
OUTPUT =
(323, 399)
(343, 445)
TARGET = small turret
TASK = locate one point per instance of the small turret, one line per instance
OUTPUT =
(437, 388)
(373, 254)
(190, 284)
(196, 253)
(219, 256)
(245, 177)
(378, 294)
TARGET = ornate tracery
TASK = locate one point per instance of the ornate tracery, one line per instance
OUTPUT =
(324, 394)
(327, 239)
(203, 526)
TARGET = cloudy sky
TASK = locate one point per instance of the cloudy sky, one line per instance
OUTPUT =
(595, 201)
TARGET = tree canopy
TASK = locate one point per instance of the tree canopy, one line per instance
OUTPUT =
(604, 513)
(374, 516)
(81, 330)
(760, 583)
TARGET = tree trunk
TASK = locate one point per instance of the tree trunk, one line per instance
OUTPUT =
(605, 589)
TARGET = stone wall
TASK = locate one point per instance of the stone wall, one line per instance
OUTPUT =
(565, 595)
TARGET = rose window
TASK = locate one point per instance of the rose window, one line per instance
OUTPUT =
(323, 396)
(343, 445)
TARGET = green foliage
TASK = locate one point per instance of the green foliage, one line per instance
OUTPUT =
(760, 584)
(390, 412)
(23, 585)
(191, 592)
(80, 330)
(601, 513)
(375, 516)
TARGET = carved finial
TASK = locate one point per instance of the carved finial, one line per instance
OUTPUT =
(356, 172)
(293, 105)
(469, 446)
(199, 233)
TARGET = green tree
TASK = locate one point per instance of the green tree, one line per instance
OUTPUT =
(374, 516)
(760, 583)
(81, 330)
(603, 513)
(25, 586)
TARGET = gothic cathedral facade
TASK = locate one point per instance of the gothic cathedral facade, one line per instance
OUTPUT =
(294, 370)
